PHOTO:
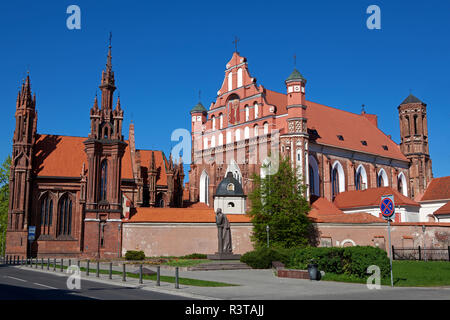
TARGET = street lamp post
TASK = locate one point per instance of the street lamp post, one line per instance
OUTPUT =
(267, 230)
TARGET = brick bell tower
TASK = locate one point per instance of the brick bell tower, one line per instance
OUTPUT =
(414, 143)
(104, 148)
(295, 141)
(20, 179)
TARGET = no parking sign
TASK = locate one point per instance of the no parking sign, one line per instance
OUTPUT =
(387, 207)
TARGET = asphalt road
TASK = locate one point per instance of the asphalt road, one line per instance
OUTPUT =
(19, 284)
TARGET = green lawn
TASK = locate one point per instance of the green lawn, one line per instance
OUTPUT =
(407, 274)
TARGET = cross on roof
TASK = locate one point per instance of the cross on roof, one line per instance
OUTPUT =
(236, 40)
(110, 38)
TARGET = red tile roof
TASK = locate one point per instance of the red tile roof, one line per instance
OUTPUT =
(360, 217)
(445, 209)
(438, 189)
(330, 122)
(370, 197)
(182, 215)
(160, 164)
(63, 156)
(324, 211)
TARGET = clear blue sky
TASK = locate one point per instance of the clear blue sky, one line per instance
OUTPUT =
(165, 51)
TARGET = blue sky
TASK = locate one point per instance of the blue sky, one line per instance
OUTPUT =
(165, 52)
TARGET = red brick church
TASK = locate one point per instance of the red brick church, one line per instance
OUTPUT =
(99, 196)
(333, 150)
(76, 190)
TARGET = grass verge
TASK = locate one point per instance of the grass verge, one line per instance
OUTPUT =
(407, 274)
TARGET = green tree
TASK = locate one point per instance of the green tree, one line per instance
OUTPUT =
(4, 201)
(278, 201)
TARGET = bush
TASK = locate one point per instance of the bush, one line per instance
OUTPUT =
(194, 256)
(357, 259)
(262, 258)
(135, 255)
(348, 260)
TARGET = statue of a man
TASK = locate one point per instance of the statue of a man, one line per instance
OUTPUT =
(223, 232)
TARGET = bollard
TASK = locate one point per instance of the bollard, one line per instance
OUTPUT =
(48, 263)
(36, 264)
(124, 274)
(87, 268)
(62, 265)
(97, 274)
(110, 270)
(54, 264)
(78, 263)
(70, 262)
(158, 275)
(177, 286)
(42, 263)
(140, 274)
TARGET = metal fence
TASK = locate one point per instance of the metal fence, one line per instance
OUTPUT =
(419, 253)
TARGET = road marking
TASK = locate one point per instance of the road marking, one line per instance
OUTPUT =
(16, 279)
(43, 285)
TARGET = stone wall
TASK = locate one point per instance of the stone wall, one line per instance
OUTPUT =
(178, 239)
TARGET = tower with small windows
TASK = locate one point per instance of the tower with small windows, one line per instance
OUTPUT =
(294, 144)
(414, 143)
(20, 179)
(104, 149)
(198, 114)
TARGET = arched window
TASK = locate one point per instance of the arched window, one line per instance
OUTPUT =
(266, 128)
(255, 130)
(233, 167)
(246, 133)
(256, 110)
(213, 119)
(220, 121)
(229, 137)
(204, 185)
(313, 176)
(337, 179)
(247, 113)
(238, 135)
(408, 129)
(415, 124)
(104, 179)
(401, 184)
(361, 178)
(65, 216)
(46, 214)
(205, 143)
(213, 141)
(382, 179)
(239, 78)
(230, 81)
(220, 139)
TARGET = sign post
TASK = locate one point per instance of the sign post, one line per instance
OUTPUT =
(387, 208)
(31, 236)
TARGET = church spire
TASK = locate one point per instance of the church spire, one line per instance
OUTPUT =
(108, 83)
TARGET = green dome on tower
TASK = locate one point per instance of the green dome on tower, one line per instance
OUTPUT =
(198, 108)
(295, 75)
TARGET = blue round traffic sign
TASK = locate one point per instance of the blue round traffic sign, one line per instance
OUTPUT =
(387, 207)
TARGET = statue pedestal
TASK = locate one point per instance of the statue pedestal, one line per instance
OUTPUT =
(223, 256)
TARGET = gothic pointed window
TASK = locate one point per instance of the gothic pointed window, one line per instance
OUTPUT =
(103, 179)
(65, 216)
(335, 182)
(239, 78)
(46, 214)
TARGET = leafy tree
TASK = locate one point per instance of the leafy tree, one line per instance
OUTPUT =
(278, 202)
(4, 200)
